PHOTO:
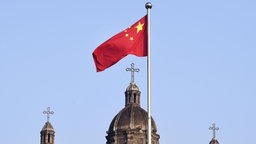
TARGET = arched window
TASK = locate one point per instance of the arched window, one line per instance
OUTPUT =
(130, 98)
(49, 138)
(44, 137)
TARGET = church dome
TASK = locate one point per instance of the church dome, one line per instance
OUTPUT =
(47, 127)
(131, 117)
(130, 125)
(132, 86)
(214, 141)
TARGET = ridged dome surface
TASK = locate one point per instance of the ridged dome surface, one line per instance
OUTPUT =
(47, 127)
(132, 86)
(214, 141)
(131, 117)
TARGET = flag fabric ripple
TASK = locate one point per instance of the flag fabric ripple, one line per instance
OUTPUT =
(132, 40)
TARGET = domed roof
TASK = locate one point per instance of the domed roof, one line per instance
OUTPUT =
(132, 86)
(131, 117)
(214, 141)
(47, 127)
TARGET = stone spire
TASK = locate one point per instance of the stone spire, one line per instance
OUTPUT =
(47, 132)
(214, 129)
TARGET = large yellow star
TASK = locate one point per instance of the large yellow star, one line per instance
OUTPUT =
(139, 27)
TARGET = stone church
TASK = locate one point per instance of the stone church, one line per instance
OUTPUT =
(47, 132)
(129, 126)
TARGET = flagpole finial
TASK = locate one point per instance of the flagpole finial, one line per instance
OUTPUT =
(148, 5)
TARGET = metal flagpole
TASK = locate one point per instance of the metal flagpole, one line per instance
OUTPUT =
(148, 7)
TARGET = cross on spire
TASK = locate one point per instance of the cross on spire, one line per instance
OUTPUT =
(132, 69)
(213, 128)
(48, 113)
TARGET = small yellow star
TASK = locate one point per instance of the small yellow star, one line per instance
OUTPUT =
(126, 35)
(139, 27)
(131, 38)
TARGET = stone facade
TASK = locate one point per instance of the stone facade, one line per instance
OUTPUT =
(47, 134)
(130, 125)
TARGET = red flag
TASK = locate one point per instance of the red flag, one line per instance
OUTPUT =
(132, 40)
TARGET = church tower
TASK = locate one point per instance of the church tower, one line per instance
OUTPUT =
(130, 125)
(47, 132)
(214, 140)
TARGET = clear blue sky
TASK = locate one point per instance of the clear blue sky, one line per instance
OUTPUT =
(203, 69)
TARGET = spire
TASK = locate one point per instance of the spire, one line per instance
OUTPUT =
(214, 129)
(47, 132)
(132, 93)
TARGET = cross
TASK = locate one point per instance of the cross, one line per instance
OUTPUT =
(132, 69)
(213, 128)
(48, 112)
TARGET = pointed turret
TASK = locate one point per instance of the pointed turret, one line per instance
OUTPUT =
(47, 132)
(214, 140)
(132, 95)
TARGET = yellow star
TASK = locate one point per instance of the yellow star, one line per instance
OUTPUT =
(139, 27)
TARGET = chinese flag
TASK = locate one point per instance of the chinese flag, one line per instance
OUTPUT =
(132, 40)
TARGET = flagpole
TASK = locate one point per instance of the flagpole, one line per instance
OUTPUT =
(148, 7)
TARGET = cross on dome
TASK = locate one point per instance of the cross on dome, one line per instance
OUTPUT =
(132, 70)
(48, 113)
(213, 128)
